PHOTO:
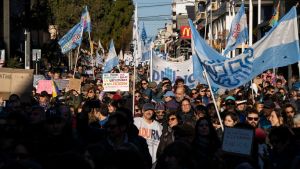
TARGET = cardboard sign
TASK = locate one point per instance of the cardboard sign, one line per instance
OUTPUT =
(62, 83)
(44, 85)
(37, 78)
(16, 81)
(116, 81)
(75, 84)
(238, 141)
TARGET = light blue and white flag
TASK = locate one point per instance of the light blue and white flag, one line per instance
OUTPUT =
(99, 57)
(198, 70)
(238, 31)
(144, 34)
(86, 20)
(279, 47)
(112, 59)
(72, 39)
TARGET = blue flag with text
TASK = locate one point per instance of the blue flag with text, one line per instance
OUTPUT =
(279, 47)
(238, 31)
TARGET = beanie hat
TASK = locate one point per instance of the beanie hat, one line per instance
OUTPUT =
(160, 106)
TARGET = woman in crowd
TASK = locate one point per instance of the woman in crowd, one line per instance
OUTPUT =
(275, 118)
(167, 137)
(206, 143)
(187, 112)
(231, 119)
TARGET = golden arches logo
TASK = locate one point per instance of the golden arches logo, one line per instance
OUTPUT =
(186, 32)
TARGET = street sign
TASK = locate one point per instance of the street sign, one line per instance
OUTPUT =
(36, 54)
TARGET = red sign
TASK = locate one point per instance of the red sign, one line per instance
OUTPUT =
(185, 32)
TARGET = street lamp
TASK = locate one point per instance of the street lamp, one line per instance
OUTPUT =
(27, 49)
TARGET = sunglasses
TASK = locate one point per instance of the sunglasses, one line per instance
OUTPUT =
(203, 91)
(195, 93)
(172, 119)
(252, 118)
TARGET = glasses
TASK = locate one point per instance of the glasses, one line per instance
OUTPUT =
(203, 91)
(144, 83)
(230, 103)
(252, 118)
(194, 93)
(160, 112)
(172, 119)
(137, 110)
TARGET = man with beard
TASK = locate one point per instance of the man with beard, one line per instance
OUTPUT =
(252, 118)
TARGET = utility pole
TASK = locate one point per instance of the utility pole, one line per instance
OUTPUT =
(6, 26)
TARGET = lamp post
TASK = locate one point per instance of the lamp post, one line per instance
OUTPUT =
(27, 49)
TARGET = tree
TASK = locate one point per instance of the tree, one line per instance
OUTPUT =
(110, 19)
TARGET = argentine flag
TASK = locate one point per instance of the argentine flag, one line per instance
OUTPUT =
(279, 47)
(238, 31)
(86, 20)
(112, 60)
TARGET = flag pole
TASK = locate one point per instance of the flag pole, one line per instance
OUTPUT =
(151, 62)
(77, 53)
(210, 88)
(93, 60)
(134, 54)
(213, 97)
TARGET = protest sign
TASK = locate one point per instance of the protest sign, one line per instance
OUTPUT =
(37, 78)
(116, 81)
(75, 84)
(238, 141)
(62, 83)
(44, 85)
(16, 81)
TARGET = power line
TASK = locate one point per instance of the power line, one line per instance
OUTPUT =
(150, 6)
(154, 16)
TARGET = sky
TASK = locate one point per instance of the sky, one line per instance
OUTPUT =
(158, 10)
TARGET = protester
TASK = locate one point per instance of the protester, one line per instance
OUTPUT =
(149, 128)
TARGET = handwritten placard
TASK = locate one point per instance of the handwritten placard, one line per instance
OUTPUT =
(75, 84)
(238, 141)
(37, 78)
(116, 81)
(62, 83)
(44, 85)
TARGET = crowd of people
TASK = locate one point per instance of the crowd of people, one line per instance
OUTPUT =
(161, 125)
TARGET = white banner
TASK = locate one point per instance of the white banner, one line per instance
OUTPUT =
(173, 71)
(116, 81)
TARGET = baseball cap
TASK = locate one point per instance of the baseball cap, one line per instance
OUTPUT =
(148, 106)
(169, 94)
(229, 98)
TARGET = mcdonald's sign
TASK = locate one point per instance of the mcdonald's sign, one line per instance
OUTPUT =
(185, 32)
